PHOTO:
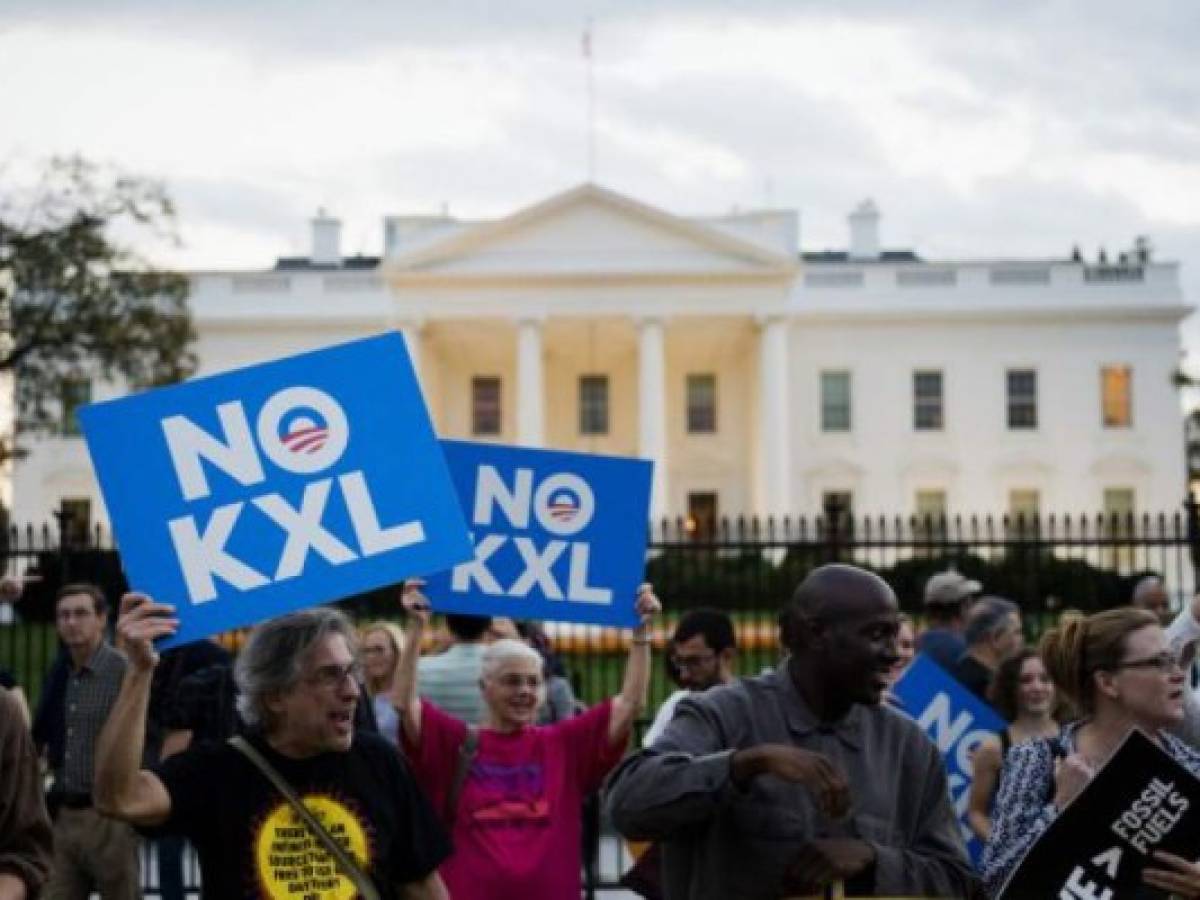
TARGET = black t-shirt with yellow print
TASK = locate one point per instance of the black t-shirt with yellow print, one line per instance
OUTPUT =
(252, 844)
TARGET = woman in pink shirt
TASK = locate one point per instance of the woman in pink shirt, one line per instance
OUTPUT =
(512, 792)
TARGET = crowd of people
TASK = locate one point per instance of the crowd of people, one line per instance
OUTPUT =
(330, 761)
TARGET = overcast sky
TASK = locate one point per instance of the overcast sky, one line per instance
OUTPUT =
(982, 129)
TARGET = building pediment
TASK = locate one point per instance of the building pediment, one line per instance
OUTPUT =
(586, 233)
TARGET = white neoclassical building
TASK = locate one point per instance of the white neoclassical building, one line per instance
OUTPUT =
(761, 379)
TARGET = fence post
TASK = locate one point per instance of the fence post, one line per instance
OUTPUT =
(833, 526)
(1193, 534)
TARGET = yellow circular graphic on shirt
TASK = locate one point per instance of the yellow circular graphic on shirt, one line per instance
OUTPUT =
(293, 865)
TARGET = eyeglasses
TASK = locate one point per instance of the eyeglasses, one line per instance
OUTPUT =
(335, 676)
(692, 662)
(515, 680)
(1164, 662)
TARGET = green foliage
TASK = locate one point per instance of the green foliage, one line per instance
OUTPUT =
(76, 300)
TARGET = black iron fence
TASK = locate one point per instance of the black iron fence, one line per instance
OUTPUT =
(748, 567)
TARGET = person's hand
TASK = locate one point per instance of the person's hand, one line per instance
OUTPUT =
(829, 788)
(825, 860)
(502, 629)
(415, 603)
(1178, 877)
(11, 589)
(647, 606)
(1071, 776)
(141, 622)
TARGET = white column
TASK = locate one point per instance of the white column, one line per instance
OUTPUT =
(774, 444)
(652, 409)
(412, 341)
(530, 429)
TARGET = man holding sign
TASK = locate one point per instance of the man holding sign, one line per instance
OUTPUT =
(787, 783)
(298, 676)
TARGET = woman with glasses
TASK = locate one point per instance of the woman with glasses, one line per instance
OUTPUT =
(382, 644)
(1118, 669)
(512, 791)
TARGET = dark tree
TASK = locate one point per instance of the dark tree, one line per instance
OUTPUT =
(77, 301)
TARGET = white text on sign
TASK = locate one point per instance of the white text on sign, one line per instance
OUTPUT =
(301, 430)
(563, 504)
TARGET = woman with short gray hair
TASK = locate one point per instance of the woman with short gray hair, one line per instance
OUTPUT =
(512, 791)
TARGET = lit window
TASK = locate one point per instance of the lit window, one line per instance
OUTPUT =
(931, 505)
(835, 401)
(702, 516)
(593, 404)
(701, 404)
(1119, 524)
(930, 514)
(1022, 399)
(485, 405)
(1024, 506)
(927, 401)
(1116, 396)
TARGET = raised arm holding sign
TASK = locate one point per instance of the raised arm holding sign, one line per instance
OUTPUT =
(512, 791)
(244, 495)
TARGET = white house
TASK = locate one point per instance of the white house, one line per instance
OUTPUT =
(761, 379)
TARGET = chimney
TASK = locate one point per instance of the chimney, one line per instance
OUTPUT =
(864, 231)
(326, 240)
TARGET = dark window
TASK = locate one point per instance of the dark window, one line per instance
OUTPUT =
(485, 405)
(838, 509)
(701, 404)
(76, 392)
(75, 514)
(1022, 399)
(835, 401)
(927, 401)
(593, 404)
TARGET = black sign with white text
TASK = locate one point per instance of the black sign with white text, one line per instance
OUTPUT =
(1141, 801)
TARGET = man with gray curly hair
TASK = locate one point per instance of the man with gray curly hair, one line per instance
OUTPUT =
(298, 678)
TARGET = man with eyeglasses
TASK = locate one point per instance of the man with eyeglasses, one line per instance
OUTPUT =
(703, 652)
(298, 677)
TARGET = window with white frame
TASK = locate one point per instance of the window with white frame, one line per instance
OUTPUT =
(702, 403)
(593, 404)
(835, 401)
(927, 401)
(1116, 396)
(1022, 399)
(485, 405)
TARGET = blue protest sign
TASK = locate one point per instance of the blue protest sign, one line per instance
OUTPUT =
(558, 536)
(244, 495)
(957, 721)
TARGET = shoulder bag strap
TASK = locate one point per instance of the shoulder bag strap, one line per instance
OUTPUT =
(466, 753)
(366, 889)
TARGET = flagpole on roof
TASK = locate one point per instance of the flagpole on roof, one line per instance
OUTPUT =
(591, 101)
